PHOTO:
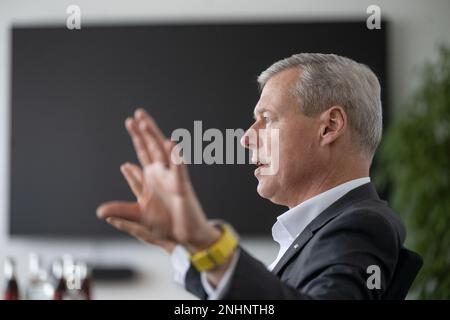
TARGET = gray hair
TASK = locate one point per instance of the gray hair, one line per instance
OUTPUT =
(329, 79)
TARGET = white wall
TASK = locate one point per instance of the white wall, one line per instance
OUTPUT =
(416, 27)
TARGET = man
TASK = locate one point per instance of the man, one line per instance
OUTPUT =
(327, 112)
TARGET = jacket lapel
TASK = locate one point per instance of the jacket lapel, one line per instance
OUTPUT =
(295, 247)
(362, 192)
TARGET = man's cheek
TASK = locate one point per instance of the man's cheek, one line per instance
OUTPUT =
(273, 153)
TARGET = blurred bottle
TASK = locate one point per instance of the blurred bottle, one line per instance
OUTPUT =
(72, 278)
(86, 281)
(11, 286)
(58, 280)
(38, 287)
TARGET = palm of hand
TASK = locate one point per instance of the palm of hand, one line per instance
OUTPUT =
(167, 211)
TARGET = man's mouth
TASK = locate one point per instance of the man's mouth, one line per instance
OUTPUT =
(260, 165)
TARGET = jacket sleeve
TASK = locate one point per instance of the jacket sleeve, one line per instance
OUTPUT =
(193, 283)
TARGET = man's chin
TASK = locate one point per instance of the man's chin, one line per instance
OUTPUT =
(264, 190)
(270, 192)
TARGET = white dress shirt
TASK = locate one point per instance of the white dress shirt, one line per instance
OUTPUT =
(285, 230)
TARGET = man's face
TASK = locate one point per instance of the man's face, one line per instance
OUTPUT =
(279, 113)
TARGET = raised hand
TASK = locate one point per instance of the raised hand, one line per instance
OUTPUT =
(167, 211)
(135, 178)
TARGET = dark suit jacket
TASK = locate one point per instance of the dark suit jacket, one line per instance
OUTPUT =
(329, 259)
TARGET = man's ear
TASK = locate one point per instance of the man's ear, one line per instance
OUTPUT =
(333, 123)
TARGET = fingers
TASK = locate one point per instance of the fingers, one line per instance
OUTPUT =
(136, 171)
(133, 175)
(120, 209)
(142, 115)
(133, 228)
(154, 147)
(147, 138)
(140, 147)
(152, 136)
(141, 233)
(176, 161)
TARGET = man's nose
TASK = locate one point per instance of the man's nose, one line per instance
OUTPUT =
(245, 141)
(249, 140)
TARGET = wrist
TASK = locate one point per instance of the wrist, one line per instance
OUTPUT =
(221, 269)
(215, 253)
(204, 240)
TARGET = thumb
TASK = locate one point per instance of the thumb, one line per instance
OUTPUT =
(120, 209)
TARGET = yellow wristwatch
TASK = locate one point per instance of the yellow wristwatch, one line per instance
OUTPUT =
(218, 253)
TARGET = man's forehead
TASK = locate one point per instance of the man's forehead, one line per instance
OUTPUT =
(279, 87)
(262, 106)
(270, 101)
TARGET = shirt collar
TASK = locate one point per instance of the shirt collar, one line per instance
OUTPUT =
(291, 223)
